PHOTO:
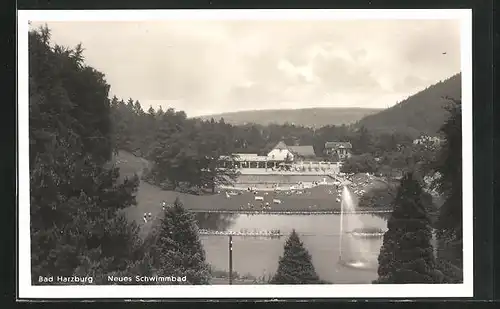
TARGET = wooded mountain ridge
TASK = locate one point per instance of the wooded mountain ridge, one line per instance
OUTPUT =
(309, 117)
(421, 113)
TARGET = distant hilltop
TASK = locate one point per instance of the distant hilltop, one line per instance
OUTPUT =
(308, 117)
(421, 113)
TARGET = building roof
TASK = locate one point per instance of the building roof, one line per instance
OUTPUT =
(280, 145)
(303, 151)
(251, 159)
(243, 157)
(246, 155)
(338, 145)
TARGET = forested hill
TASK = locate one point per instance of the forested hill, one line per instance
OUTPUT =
(420, 113)
(307, 117)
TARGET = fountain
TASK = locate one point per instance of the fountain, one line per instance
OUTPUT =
(358, 244)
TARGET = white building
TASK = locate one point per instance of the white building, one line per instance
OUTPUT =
(280, 153)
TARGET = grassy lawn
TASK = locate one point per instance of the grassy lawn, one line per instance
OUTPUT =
(149, 197)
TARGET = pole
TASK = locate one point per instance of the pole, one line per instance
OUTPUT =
(230, 259)
(341, 223)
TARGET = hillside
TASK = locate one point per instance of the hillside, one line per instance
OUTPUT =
(309, 117)
(420, 113)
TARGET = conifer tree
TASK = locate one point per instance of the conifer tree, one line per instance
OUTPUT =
(176, 248)
(295, 266)
(449, 167)
(407, 254)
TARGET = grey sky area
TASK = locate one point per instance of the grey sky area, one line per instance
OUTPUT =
(224, 66)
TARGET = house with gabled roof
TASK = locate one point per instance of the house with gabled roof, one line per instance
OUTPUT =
(281, 145)
(294, 153)
(303, 152)
(280, 153)
(340, 149)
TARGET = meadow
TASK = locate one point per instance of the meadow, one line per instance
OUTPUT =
(150, 197)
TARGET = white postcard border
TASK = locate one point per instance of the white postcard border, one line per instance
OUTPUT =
(27, 290)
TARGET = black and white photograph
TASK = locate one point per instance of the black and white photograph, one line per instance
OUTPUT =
(193, 153)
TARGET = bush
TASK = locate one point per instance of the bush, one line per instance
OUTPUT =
(364, 163)
(378, 198)
(383, 198)
(452, 273)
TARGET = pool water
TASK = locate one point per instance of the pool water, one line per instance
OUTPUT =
(258, 256)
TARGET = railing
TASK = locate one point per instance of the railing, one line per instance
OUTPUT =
(291, 212)
(242, 233)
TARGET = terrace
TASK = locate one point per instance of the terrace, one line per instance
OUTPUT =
(282, 158)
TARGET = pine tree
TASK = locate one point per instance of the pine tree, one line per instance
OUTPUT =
(176, 247)
(138, 108)
(407, 255)
(449, 167)
(295, 266)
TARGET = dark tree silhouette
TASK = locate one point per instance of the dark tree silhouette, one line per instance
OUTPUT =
(449, 168)
(295, 266)
(407, 255)
(176, 248)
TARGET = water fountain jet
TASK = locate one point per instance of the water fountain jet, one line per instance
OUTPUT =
(355, 236)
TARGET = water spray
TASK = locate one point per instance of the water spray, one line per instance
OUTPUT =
(341, 225)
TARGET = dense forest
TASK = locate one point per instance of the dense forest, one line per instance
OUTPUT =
(77, 226)
(193, 145)
(422, 113)
(137, 130)
(382, 142)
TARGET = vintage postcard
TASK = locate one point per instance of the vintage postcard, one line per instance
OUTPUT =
(196, 153)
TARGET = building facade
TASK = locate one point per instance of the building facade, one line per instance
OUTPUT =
(342, 150)
(280, 155)
(280, 152)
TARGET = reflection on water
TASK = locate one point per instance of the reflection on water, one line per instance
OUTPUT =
(214, 221)
(259, 256)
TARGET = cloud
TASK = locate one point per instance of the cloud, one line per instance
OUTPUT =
(344, 75)
(409, 84)
(217, 66)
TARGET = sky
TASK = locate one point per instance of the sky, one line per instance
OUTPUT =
(209, 67)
